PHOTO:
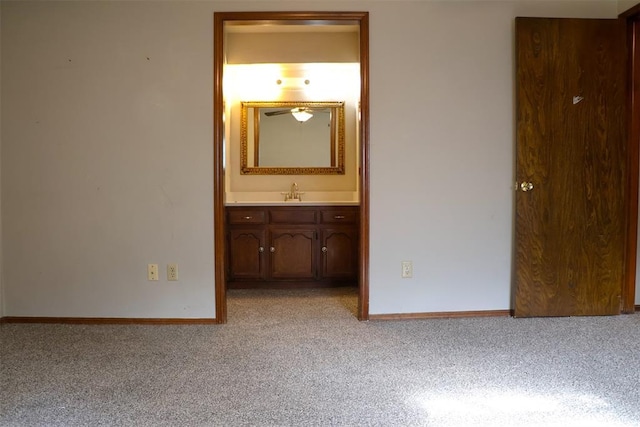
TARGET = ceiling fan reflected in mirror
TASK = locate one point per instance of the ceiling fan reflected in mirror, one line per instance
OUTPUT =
(301, 114)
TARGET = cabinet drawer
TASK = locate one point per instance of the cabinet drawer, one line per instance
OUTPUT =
(249, 216)
(339, 216)
(292, 216)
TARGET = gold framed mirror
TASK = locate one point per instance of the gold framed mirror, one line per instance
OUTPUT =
(292, 138)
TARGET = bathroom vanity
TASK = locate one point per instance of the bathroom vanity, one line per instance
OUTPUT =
(282, 246)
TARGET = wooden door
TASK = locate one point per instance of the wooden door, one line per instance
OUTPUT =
(292, 254)
(570, 167)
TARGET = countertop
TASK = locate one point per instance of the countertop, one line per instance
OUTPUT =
(291, 203)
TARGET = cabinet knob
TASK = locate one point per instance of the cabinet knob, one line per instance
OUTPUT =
(338, 217)
(260, 249)
(247, 217)
(324, 249)
(272, 249)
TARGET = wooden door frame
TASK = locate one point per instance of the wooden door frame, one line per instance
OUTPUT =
(632, 17)
(219, 228)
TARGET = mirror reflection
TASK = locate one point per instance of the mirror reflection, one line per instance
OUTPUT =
(301, 138)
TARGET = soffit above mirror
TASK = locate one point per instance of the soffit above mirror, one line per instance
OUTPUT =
(279, 47)
(292, 41)
(291, 27)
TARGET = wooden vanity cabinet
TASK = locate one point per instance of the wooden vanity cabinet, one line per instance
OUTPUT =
(339, 243)
(246, 243)
(292, 253)
(292, 246)
(339, 253)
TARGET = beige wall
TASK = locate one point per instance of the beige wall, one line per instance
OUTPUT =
(107, 152)
(247, 187)
(107, 158)
(624, 5)
(291, 55)
(292, 47)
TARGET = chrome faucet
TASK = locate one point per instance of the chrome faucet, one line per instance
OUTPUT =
(293, 194)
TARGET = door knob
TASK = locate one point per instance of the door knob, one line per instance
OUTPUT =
(526, 186)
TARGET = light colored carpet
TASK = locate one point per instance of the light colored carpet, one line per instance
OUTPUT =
(300, 358)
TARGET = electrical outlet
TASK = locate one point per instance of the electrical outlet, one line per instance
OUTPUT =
(152, 271)
(407, 269)
(172, 272)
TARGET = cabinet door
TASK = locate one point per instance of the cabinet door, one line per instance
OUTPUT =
(246, 254)
(292, 253)
(339, 253)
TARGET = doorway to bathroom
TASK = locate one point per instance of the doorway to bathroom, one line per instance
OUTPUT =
(266, 23)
